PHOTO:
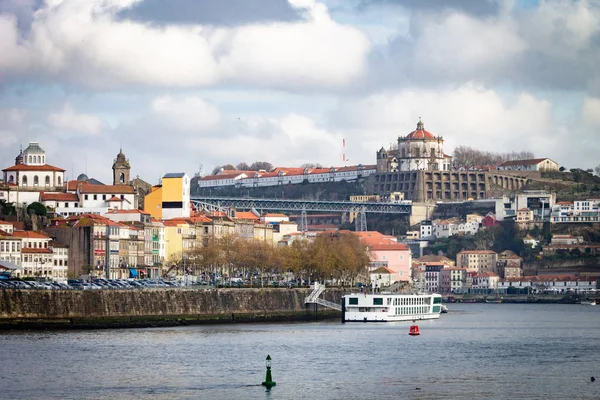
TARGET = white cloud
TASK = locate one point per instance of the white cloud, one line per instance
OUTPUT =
(471, 115)
(188, 114)
(13, 124)
(591, 111)
(67, 123)
(459, 45)
(84, 42)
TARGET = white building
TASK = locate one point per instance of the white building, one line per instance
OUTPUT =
(285, 176)
(485, 281)
(580, 211)
(60, 261)
(427, 230)
(36, 255)
(550, 284)
(536, 164)
(10, 250)
(31, 175)
(539, 201)
(83, 197)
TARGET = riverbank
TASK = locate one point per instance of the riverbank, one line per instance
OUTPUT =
(97, 309)
(510, 298)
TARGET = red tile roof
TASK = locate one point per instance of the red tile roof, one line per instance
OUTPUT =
(32, 250)
(246, 215)
(58, 197)
(477, 252)
(23, 167)
(87, 188)
(127, 212)
(29, 235)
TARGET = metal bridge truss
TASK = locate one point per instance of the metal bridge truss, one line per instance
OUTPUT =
(225, 204)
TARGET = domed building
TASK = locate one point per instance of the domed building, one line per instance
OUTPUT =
(417, 151)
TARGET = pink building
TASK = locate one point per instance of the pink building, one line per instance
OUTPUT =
(386, 251)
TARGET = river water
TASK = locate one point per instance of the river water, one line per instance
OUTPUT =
(477, 351)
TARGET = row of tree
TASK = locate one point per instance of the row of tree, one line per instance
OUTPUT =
(342, 257)
(465, 156)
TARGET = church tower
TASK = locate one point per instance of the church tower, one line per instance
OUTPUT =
(121, 169)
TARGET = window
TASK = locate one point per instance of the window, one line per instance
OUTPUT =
(36, 180)
(95, 197)
(66, 205)
(378, 301)
(25, 180)
(353, 301)
(103, 197)
(59, 181)
(47, 180)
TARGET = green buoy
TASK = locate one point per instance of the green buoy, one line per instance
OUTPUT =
(268, 383)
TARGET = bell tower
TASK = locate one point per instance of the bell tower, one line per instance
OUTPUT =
(121, 169)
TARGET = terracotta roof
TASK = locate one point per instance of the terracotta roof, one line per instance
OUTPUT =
(565, 203)
(532, 161)
(420, 133)
(87, 188)
(383, 270)
(222, 176)
(127, 212)
(477, 252)
(246, 215)
(524, 209)
(23, 167)
(29, 235)
(58, 197)
(387, 246)
(115, 198)
(32, 250)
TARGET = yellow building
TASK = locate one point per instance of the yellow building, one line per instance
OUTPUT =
(170, 199)
(180, 238)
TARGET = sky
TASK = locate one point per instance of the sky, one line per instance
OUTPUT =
(182, 85)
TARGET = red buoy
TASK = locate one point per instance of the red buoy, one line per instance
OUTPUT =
(414, 330)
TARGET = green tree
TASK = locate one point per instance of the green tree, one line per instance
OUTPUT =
(37, 209)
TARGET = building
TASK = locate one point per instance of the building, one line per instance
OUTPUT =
(10, 251)
(580, 211)
(560, 284)
(479, 261)
(509, 265)
(285, 176)
(538, 201)
(565, 240)
(382, 277)
(453, 280)
(387, 252)
(426, 230)
(531, 241)
(170, 199)
(536, 164)
(485, 282)
(525, 219)
(36, 254)
(420, 170)
(419, 150)
(92, 240)
(31, 175)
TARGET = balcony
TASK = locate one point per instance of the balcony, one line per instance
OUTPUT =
(189, 236)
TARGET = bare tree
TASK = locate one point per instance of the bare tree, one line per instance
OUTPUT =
(226, 167)
(261, 165)
(242, 167)
(465, 156)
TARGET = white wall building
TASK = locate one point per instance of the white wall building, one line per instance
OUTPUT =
(285, 176)
(579, 211)
(30, 175)
(539, 201)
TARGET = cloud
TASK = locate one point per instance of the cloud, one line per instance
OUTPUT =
(188, 114)
(471, 115)
(222, 12)
(591, 111)
(84, 42)
(67, 123)
(13, 124)
(477, 7)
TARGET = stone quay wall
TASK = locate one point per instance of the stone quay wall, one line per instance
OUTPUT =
(151, 307)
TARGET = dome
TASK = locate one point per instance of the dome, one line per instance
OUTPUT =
(420, 133)
(19, 158)
(83, 177)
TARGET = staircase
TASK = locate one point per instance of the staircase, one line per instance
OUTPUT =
(313, 298)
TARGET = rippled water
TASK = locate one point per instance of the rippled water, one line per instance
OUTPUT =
(477, 351)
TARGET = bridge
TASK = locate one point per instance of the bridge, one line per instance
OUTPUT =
(209, 203)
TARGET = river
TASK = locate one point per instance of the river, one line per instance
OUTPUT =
(477, 351)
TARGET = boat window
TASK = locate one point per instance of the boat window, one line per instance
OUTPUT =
(378, 301)
(437, 300)
(353, 300)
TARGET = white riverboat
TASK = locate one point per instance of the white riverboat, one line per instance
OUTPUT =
(388, 307)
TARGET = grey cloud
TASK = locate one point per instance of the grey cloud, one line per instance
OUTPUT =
(22, 9)
(221, 12)
(476, 7)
